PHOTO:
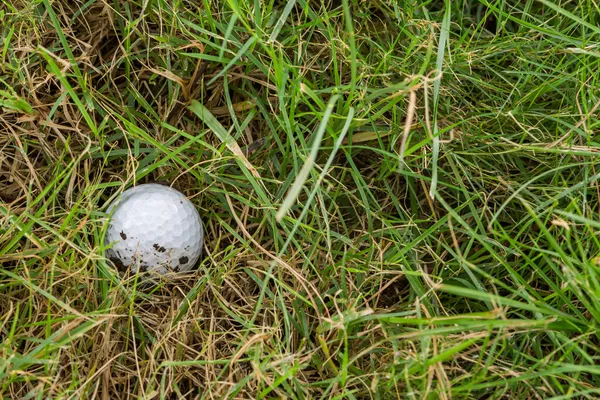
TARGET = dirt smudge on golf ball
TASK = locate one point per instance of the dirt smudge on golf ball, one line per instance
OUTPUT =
(118, 264)
(159, 248)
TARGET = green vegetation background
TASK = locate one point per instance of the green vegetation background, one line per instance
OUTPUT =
(400, 198)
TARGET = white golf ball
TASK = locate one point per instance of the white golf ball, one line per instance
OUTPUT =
(154, 227)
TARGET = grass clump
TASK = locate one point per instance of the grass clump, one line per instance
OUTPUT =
(400, 198)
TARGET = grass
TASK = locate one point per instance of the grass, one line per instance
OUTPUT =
(401, 198)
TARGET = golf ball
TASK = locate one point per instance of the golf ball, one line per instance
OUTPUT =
(154, 227)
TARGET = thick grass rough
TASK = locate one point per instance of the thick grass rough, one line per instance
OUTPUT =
(154, 227)
(400, 198)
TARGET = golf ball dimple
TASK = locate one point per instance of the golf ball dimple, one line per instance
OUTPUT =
(154, 227)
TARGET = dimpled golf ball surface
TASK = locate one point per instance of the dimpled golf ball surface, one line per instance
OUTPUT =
(154, 227)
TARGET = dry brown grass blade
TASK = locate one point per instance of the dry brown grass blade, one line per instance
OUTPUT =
(238, 107)
(367, 136)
